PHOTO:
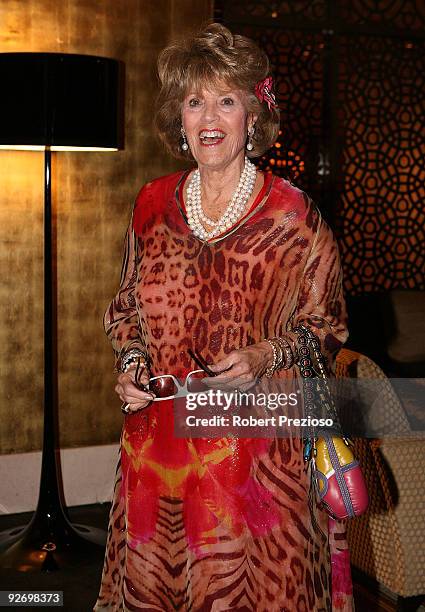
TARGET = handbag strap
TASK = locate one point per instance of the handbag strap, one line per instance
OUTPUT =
(314, 390)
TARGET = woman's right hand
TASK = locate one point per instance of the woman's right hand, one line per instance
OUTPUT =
(129, 393)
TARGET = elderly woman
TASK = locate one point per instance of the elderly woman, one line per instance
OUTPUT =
(226, 261)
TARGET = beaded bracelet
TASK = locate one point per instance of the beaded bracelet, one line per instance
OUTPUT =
(131, 357)
(289, 355)
(277, 357)
(283, 357)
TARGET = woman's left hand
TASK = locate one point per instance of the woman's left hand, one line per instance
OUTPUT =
(241, 368)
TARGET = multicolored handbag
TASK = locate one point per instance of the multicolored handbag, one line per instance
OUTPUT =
(338, 478)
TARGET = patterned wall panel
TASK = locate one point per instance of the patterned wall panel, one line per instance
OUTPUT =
(298, 69)
(381, 218)
(350, 80)
(403, 14)
(264, 9)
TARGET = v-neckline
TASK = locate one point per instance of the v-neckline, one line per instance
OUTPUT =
(258, 203)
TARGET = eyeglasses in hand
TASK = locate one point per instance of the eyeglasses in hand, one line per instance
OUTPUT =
(167, 386)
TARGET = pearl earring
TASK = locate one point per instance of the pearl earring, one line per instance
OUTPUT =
(184, 145)
(249, 144)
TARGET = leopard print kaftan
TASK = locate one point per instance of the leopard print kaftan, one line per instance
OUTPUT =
(221, 524)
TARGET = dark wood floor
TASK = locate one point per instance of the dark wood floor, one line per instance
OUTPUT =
(372, 597)
(80, 585)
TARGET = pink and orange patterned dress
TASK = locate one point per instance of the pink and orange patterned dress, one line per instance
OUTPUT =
(221, 524)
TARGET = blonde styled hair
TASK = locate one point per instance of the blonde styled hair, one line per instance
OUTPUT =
(212, 57)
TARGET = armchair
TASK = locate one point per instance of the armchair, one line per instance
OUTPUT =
(388, 542)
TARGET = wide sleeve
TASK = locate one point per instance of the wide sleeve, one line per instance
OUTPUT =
(321, 304)
(121, 320)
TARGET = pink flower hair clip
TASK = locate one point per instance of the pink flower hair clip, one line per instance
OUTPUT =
(264, 92)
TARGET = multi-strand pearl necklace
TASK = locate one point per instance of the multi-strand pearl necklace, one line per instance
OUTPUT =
(234, 210)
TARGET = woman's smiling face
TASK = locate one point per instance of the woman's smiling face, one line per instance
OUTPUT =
(216, 124)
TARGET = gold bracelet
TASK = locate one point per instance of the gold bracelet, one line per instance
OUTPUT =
(287, 351)
(277, 357)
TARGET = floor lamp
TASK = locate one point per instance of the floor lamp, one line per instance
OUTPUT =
(55, 102)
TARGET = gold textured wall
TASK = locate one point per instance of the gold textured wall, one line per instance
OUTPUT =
(93, 194)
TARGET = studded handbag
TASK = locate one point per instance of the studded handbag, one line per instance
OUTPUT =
(337, 475)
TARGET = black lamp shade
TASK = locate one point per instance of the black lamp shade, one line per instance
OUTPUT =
(60, 100)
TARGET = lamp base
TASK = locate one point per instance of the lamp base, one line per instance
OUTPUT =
(62, 545)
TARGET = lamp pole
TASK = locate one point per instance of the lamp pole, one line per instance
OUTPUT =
(75, 104)
(50, 541)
